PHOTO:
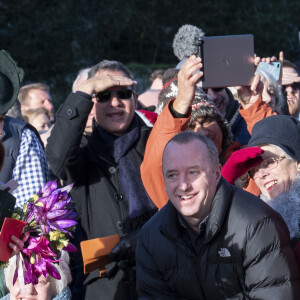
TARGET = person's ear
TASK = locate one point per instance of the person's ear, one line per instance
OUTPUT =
(218, 172)
(298, 166)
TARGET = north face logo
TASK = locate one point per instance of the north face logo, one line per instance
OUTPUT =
(224, 252)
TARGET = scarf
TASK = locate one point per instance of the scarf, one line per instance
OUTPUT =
(128, 165)
(287, 204)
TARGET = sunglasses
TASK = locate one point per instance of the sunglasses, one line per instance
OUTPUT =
(215, 90)
(295, 86)
(105, 96)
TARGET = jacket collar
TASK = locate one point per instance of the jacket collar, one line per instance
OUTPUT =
(172, 229)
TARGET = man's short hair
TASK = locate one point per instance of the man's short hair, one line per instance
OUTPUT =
(189, 136)
(109, 65)
(157, 74)
(24, 90)
(169, 74)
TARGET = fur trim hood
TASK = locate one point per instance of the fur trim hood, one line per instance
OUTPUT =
(287, 205)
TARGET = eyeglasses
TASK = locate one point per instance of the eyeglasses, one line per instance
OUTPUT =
(295, 86)
(215, 90)
(268, 164)
(105, 96)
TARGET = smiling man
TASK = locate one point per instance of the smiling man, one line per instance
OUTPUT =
(212, 240)
(109, 195)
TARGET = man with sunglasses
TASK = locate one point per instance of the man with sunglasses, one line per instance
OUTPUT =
(108, 194)
(291, 87)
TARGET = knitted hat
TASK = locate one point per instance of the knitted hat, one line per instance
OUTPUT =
(281, 130)
(208, 112)
(10, 78)
(170, 90)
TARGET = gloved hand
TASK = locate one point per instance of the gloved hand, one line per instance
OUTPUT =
(123, 255)
(240, 162)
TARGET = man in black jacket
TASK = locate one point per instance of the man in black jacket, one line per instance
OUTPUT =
(212, 240)
(108, 192)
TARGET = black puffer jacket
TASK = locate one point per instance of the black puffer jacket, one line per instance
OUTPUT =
(245, 253)
(98, 193)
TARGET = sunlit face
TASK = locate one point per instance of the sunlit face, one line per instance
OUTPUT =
(40, 98)
(41, 291)
(114, 116)
(212, 130)
(279, 179)
(268, 95)
(291, 93)
(41, 122)
(220, 99)
(191, 179)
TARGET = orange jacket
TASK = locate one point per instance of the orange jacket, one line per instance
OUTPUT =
(165, 127)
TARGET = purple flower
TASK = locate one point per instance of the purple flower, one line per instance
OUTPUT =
(50, 218)
(50, 211)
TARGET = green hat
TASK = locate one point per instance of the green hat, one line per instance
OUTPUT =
(10, 79)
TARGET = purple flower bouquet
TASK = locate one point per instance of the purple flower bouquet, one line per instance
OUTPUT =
(50, 218)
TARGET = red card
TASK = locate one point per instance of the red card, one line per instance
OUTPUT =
(10, 227)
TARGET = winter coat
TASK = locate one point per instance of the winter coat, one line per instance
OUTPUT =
(243, 254)
(98, 195)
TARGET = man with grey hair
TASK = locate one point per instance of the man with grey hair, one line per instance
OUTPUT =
(108, 194)
(212, 240)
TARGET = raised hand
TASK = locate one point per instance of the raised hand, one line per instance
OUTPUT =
(187, 79)
(103, 82)
(240, 162)
(17, 244)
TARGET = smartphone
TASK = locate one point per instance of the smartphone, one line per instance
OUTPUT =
(272, 68)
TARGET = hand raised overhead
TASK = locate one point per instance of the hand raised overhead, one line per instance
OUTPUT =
(187, 79)
(103, 82)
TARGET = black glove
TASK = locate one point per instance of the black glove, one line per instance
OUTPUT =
(123, 255)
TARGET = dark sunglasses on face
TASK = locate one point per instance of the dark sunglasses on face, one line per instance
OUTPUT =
(295, 86)
(215, 90)
(105, 96)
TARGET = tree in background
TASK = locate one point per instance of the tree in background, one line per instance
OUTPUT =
(52, 40)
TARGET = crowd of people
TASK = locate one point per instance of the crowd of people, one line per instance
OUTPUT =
(202, 185)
